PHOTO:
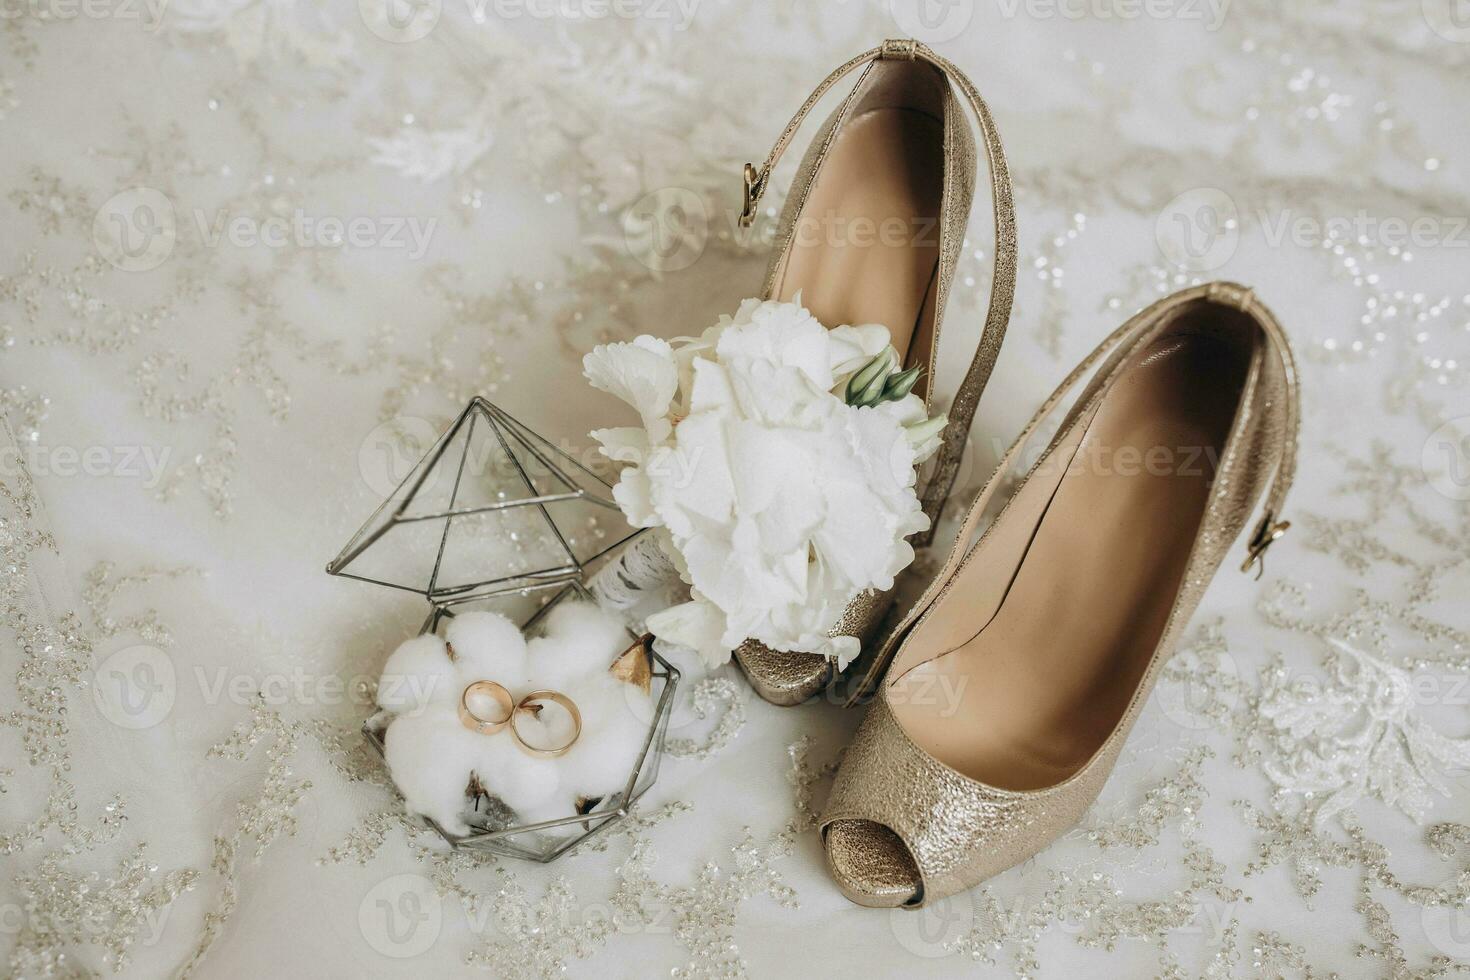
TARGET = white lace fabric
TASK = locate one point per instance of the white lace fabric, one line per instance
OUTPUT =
(258, 255)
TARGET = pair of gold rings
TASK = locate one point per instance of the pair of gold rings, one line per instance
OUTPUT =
(510, 709)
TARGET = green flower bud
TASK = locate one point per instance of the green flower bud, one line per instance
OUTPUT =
(878, 367)
(897, 387)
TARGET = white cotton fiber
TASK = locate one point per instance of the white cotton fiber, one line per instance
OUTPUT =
(580, 639)
(487, 646)
(430, 756)
(615, 721)
(522, 781)
(418, 673)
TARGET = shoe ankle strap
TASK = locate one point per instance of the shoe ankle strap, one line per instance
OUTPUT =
(1268, 529)
(1003, 280)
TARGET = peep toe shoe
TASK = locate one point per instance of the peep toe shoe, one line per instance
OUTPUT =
(1012, 683)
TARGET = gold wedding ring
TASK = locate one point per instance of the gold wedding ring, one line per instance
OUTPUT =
(486, 726)
(511, 709)
(530, 703)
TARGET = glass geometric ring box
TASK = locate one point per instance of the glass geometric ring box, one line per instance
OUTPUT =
(495, 517)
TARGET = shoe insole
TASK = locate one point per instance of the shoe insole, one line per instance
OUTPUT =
(866, 248)
(1032, 694)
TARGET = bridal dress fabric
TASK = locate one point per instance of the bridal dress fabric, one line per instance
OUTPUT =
(257, 255)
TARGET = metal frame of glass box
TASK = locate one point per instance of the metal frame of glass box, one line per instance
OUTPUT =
(543, 478)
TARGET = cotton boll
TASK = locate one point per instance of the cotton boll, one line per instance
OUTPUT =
(615, 722)
(418, 673)
(581, 639)
(522, 781)
(487, 646)
(430, 756)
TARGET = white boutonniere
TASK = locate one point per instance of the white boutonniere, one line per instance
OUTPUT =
(778, 456)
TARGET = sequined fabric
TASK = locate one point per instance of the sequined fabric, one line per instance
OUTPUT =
(1293, 799)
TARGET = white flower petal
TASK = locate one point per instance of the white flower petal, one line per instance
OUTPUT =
(695, 474)
(775, 483)
(781, 335)
(709, 388)
(634, 494)
(627, 444)
(844, 649)
(641, 373)
(697, 625)
(779, 502)
(852, 347)
(926, 437)
(906, 411)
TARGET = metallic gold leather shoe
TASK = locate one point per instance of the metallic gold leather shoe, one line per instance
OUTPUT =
(871, 233)
(1018, 674)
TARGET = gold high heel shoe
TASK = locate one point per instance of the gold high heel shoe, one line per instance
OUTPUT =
(1017, 676)
(871, 233)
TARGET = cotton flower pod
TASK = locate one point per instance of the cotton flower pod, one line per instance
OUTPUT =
(580, 639)
(417, 674)
(522, 781)
(615, 722)
(487, 646)
(430, 756)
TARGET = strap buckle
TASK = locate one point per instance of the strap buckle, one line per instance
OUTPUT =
(899, 49)
(1232, 294)
(1265, 534)
(755, 185)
